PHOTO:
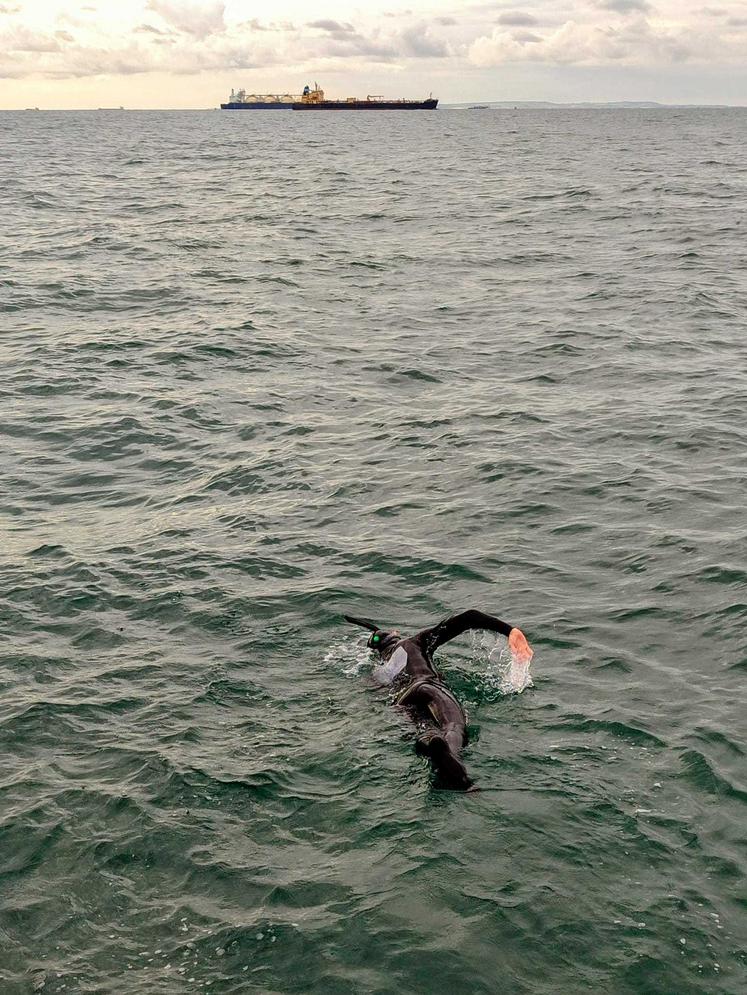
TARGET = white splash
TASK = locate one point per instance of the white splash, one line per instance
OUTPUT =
(505, 672)
(350, 654)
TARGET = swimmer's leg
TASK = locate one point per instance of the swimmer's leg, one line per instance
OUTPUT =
(450, 770)
(443, 745)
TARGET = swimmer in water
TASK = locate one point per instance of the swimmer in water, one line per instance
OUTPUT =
(409, 661)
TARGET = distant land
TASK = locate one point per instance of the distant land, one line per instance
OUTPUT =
(548, 105)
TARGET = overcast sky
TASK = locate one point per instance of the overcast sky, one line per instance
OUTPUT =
(189, 53)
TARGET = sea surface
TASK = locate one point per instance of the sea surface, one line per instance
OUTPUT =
(260, 369)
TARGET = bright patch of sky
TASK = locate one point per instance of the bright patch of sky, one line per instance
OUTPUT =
(189, 52)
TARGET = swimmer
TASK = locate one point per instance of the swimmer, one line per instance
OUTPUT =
(408, 660)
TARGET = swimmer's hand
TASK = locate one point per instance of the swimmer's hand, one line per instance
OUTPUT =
(520, 648)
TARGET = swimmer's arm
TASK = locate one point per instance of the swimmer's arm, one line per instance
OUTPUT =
(364, 622)
(455, 625)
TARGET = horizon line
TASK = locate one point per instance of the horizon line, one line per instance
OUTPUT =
(454, 105)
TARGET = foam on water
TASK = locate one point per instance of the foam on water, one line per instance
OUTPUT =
(350, 655)
(503, 670)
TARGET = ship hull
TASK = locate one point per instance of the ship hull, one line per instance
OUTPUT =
(275, 105)
(368, 105)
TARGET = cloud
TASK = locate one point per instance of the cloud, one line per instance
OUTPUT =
(341, 40)
(179, 59)
(518, 18)
(254, 24)
(22, 39)
(192, 37)
(197, 19)
(625, 6)
(632, 42)
(148, 29)
(333, 27)
(193, 44)
(419, 42)
(351, 47)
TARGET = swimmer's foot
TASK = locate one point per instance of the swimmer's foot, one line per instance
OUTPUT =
(450, 770)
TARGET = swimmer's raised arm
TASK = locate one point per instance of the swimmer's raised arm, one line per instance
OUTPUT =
(455, 625)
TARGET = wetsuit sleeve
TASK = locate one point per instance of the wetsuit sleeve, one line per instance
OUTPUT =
(455, 625)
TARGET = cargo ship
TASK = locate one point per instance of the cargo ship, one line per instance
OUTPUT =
(313, 100)
(240, 100)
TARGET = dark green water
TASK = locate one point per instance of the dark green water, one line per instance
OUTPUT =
(258, 370)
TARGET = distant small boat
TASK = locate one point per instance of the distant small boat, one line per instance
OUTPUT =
(110, 108)
(479, 107)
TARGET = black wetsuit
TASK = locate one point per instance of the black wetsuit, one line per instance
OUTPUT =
(426, 694)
